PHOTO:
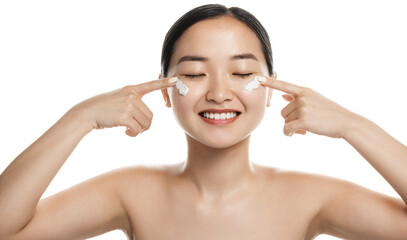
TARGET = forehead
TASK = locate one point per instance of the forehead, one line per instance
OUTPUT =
(218, 37)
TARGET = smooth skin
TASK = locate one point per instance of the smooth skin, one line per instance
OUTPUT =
(86, 210)
(218, 193)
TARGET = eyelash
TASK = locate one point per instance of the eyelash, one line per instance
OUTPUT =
(240, 75)
(194, 76)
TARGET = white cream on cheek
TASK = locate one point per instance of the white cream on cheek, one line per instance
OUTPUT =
(254, 84)
(182, 88)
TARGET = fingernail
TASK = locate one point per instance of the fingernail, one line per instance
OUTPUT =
(287, 98)
(261, 79)
(173, 79)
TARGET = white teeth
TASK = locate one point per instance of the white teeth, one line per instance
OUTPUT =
(219, 116)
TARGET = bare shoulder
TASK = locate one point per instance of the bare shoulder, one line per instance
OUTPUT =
(325, 187)
(310, 189)
(317, 184)
(349, 210)
(136, 177)
(143, 183)
(303, 196)
(151, 173)
(330, 197)
(98, 205)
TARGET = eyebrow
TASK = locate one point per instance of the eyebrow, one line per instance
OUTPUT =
(192, 58)
(195, 58)
(244, 56)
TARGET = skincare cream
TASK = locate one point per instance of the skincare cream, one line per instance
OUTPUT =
(255, 83)
(182, 88)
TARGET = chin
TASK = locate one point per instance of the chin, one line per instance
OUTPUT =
(219, 142)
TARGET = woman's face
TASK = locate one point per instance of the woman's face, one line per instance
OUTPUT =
(215, 58)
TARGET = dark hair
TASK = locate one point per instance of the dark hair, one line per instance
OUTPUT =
(212, 11)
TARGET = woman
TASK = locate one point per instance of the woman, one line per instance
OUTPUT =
(218, 193)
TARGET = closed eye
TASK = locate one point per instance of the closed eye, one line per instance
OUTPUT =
(192, 76)
(242, 75)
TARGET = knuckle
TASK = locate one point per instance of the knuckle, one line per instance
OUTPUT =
(136, 128)
(131, 98)
(127, 88)
(302, 101)
(123, 119)
(282, 113)
(145, 125)
(132, 92)
(130, 107)
(134, 132)
(286, 129)
(150, 115)
(302, 111)
(308, 90)
(148, 122)
(303, 120)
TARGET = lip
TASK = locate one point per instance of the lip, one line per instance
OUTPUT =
(219, 122)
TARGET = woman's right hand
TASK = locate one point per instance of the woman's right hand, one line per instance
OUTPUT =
(122, 107)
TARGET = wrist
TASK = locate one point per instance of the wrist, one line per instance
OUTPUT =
(78, 117)
(355, 127)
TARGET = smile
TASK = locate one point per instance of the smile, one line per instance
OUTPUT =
(219, 116)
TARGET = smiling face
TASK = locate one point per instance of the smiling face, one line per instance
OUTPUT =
(216, 58)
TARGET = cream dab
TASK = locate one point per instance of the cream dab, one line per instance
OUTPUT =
(182, 88)
(255, 83)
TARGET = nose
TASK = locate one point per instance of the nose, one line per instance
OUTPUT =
(219, 90)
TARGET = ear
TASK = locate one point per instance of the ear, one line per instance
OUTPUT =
(165, 94)
(270, 93)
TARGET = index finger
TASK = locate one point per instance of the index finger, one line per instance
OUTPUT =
(144, 88)
(286, 87)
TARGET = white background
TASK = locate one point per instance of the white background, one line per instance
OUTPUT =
(54, 54)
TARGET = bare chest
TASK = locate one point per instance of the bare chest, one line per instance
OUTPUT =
(258, 218)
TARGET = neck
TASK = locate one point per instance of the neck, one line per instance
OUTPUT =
(218, 172)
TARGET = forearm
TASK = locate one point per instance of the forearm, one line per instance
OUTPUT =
(387, 155)
(27, 177)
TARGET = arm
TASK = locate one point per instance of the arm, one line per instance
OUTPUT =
(351, 211)
(387, 155)
(73, 213)
(89, 208)
(27, 177)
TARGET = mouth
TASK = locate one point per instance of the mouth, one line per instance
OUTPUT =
(219, 116)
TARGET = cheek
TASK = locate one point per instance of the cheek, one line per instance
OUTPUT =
(184, 104)
(254, 100)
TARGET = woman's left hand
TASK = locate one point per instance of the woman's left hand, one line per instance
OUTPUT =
(310, 111)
